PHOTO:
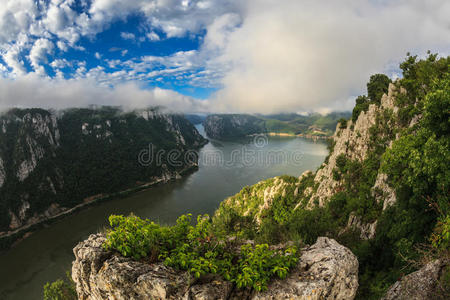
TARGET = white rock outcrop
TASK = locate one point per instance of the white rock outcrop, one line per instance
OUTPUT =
(419, 285)
(326, 270)
(353, 141)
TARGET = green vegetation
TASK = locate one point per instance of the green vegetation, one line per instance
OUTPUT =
(362, 104)
(377, 86)
(201, 249)
(101, 159)
(231, 125)
(60, 289)
(417, 168)
(416, 164)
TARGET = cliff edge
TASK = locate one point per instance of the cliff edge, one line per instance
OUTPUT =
(326, 270)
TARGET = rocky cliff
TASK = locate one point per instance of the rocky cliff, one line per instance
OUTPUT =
(354, 141)
(422, 284)
(51, 161)
(353, 145)
(326, 270)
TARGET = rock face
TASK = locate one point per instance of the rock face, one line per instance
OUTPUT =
(326, 270)
(52, 161)
(418, 285)
(353, 141)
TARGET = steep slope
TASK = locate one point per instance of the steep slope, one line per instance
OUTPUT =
(382, 191)
(52, 161)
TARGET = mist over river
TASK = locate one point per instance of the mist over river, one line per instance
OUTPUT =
(224, 169)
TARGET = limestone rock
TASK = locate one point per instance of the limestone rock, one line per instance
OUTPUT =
(326, 270)
(383, 192)
(353, 141)
(418, 285)
(367, 230)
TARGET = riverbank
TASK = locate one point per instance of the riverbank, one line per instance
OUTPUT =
(308, 136)
(11, 238)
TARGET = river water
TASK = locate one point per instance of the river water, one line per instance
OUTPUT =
(224, 169)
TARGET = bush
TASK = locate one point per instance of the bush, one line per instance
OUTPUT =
(377, 86)
(362, 104)
(60, 289)
(199, 249)
(342, 123)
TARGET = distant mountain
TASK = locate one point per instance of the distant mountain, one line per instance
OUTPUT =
(51, 161)
(226, 126)
(195, 119)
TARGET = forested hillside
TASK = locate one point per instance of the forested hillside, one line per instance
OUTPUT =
(51, 161)
(383, 191)
(226, 126)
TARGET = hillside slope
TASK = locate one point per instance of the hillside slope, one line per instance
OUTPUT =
(52, 161)
(226, 126)
(382, 191)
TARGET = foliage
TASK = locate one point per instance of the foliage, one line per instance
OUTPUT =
(102, 159)
(226, 126)
(342, 123)
(362, 104)
(417, 167)
(377, 86)
(201, 249)
(60, 289)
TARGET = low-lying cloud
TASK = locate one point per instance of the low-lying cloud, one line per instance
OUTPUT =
(34, 91)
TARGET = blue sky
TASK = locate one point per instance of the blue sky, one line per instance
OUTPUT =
(261, 56)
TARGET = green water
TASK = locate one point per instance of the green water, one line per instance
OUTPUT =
(225, 168)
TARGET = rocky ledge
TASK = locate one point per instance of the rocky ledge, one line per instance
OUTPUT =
(326, 270)
(422, 284)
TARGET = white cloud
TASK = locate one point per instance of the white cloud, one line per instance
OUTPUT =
(153, 36)
(62, 46)
(127, 36)
(299, 55)
(268, 55)
(38, 53)
(31, 89)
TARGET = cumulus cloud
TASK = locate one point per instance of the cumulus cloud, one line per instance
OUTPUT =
(34, 91)
(38, 53)
(301, 55)
(127, 36)
(266, 56)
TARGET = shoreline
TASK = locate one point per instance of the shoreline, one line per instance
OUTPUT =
(307, 136)
(12, 238)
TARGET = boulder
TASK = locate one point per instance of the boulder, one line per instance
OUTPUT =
(326, 270)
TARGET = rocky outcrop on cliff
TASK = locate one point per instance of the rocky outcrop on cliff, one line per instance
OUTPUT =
(326, 270)
(353, 141)
(419, 285)
(52, 161)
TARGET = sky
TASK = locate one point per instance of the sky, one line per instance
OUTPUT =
(254, 56)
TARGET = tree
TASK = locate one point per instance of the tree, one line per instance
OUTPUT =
(362, 104)
(377, 86)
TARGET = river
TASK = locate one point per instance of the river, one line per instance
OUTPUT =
(224, 169)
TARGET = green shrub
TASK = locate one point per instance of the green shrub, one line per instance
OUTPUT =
(377, 86)
(60, 289)
(342, 123)
(362, 104)
(201, 249)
